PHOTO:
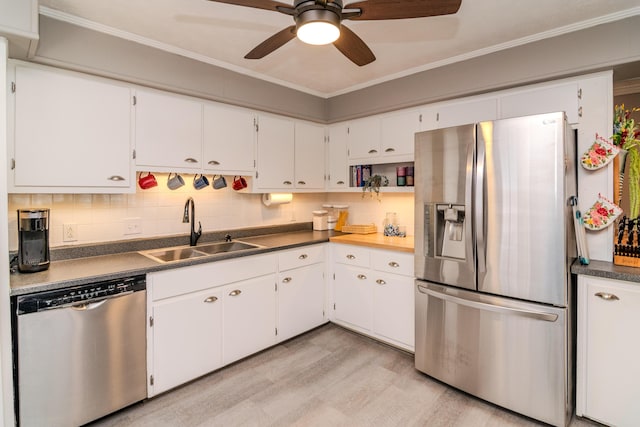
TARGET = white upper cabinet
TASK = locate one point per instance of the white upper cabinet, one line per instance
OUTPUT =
(275, 153)
(168, 132)
(364, 140)
(398, 135)
(457, 113)
(338, 169)
(72, 133)
(309, 156)
(229, 139)
(547, 99)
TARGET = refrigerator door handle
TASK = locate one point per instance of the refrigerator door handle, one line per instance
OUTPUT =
(478, 186)
(532, 314)
(468, 202)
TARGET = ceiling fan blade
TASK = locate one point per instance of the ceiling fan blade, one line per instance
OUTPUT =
(272, 43)
(260, 4)
(353, 47)
(402, 9)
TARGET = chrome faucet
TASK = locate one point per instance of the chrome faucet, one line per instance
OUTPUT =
(193, 238)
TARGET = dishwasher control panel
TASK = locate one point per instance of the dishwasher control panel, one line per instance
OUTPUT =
(40, 301)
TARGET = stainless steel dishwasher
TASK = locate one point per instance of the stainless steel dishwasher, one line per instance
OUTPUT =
(81, 352)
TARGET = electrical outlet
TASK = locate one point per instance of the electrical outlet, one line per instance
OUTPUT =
(132, 226)
(69, 232)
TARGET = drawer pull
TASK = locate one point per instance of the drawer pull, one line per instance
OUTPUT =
(287, 280)
(390, 150)
(362, 277)
(235, 293)
(351, 256)
(303, 256)
(340, 182)
(394, 264)
(211, 299)
(302, 183)
(373, 151)
(607, 296)
(381, 282)
(190, 160)
(214, 162)
(286, 182)
(115, 178)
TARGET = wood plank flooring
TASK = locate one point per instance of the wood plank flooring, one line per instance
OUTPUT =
(327, 377)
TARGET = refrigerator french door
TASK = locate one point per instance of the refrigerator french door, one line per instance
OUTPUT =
(492, 261)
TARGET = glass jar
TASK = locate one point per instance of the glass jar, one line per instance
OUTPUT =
(390, 224)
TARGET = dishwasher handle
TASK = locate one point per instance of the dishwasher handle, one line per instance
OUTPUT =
(90, 304)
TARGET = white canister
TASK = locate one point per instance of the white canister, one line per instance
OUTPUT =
(320, 220)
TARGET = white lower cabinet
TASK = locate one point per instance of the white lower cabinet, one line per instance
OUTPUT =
(373, 293)
(206, 316)
(607, 352)
(249, 319)
(187, 338)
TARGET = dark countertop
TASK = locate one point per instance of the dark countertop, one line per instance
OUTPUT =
(607, 270)
(83, 270)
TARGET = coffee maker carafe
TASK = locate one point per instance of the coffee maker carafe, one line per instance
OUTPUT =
(33, 240)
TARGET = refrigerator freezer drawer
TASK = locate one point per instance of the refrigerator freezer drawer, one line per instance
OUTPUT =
(508, 352)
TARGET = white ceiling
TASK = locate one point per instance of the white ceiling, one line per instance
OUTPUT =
(222, 34)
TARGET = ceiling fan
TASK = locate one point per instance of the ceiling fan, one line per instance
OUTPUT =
(319, 21)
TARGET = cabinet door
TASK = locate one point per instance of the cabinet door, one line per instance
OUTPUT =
(300, 300)
(187, 338)
(228, 140)
(393, 307)
(168, 132)
(275, 153)
(249, 317)
(542, 100)
(353, 296)
(71, 131)
(309, 156)
(398, 134)
(609, 345)
(338, 166)
(364, 140)
(465, 112)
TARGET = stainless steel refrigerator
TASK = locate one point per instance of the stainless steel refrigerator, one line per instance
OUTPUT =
(493, 246)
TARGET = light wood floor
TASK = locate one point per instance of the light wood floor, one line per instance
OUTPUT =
(327, 377)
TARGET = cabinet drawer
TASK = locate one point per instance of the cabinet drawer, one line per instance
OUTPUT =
(392, 262)
(300, 257)
(183, 280)
(351, 255)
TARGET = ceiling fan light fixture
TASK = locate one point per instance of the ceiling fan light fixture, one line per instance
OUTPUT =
(318, 27)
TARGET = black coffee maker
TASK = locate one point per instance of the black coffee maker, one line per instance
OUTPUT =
(33, 240)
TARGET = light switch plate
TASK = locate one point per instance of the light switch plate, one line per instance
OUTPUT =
(132, 226)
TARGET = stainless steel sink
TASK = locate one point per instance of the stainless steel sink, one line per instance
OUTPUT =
(187, 252)
(220, 247)
(173, 254)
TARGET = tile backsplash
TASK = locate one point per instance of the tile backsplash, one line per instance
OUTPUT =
(158, 211)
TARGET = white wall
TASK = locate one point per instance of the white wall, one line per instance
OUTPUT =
(104, 217)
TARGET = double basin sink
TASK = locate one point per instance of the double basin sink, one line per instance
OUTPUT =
(187, 252)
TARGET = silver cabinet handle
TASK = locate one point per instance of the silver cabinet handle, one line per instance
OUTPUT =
(394, 264)
(116, 178)
(362, 276)
(211, 299)
(302, 183)
(340, 182)
(351, 256)
(381, 282)
(213, 162)
(303, 256)
(235, 293)
(373, 151)
(389, 150)
(190, 160)
(607, 296)
(286, 182)
(287, 280)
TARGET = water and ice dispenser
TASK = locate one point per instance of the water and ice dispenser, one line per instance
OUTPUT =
(450, 228)
(33, 240)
